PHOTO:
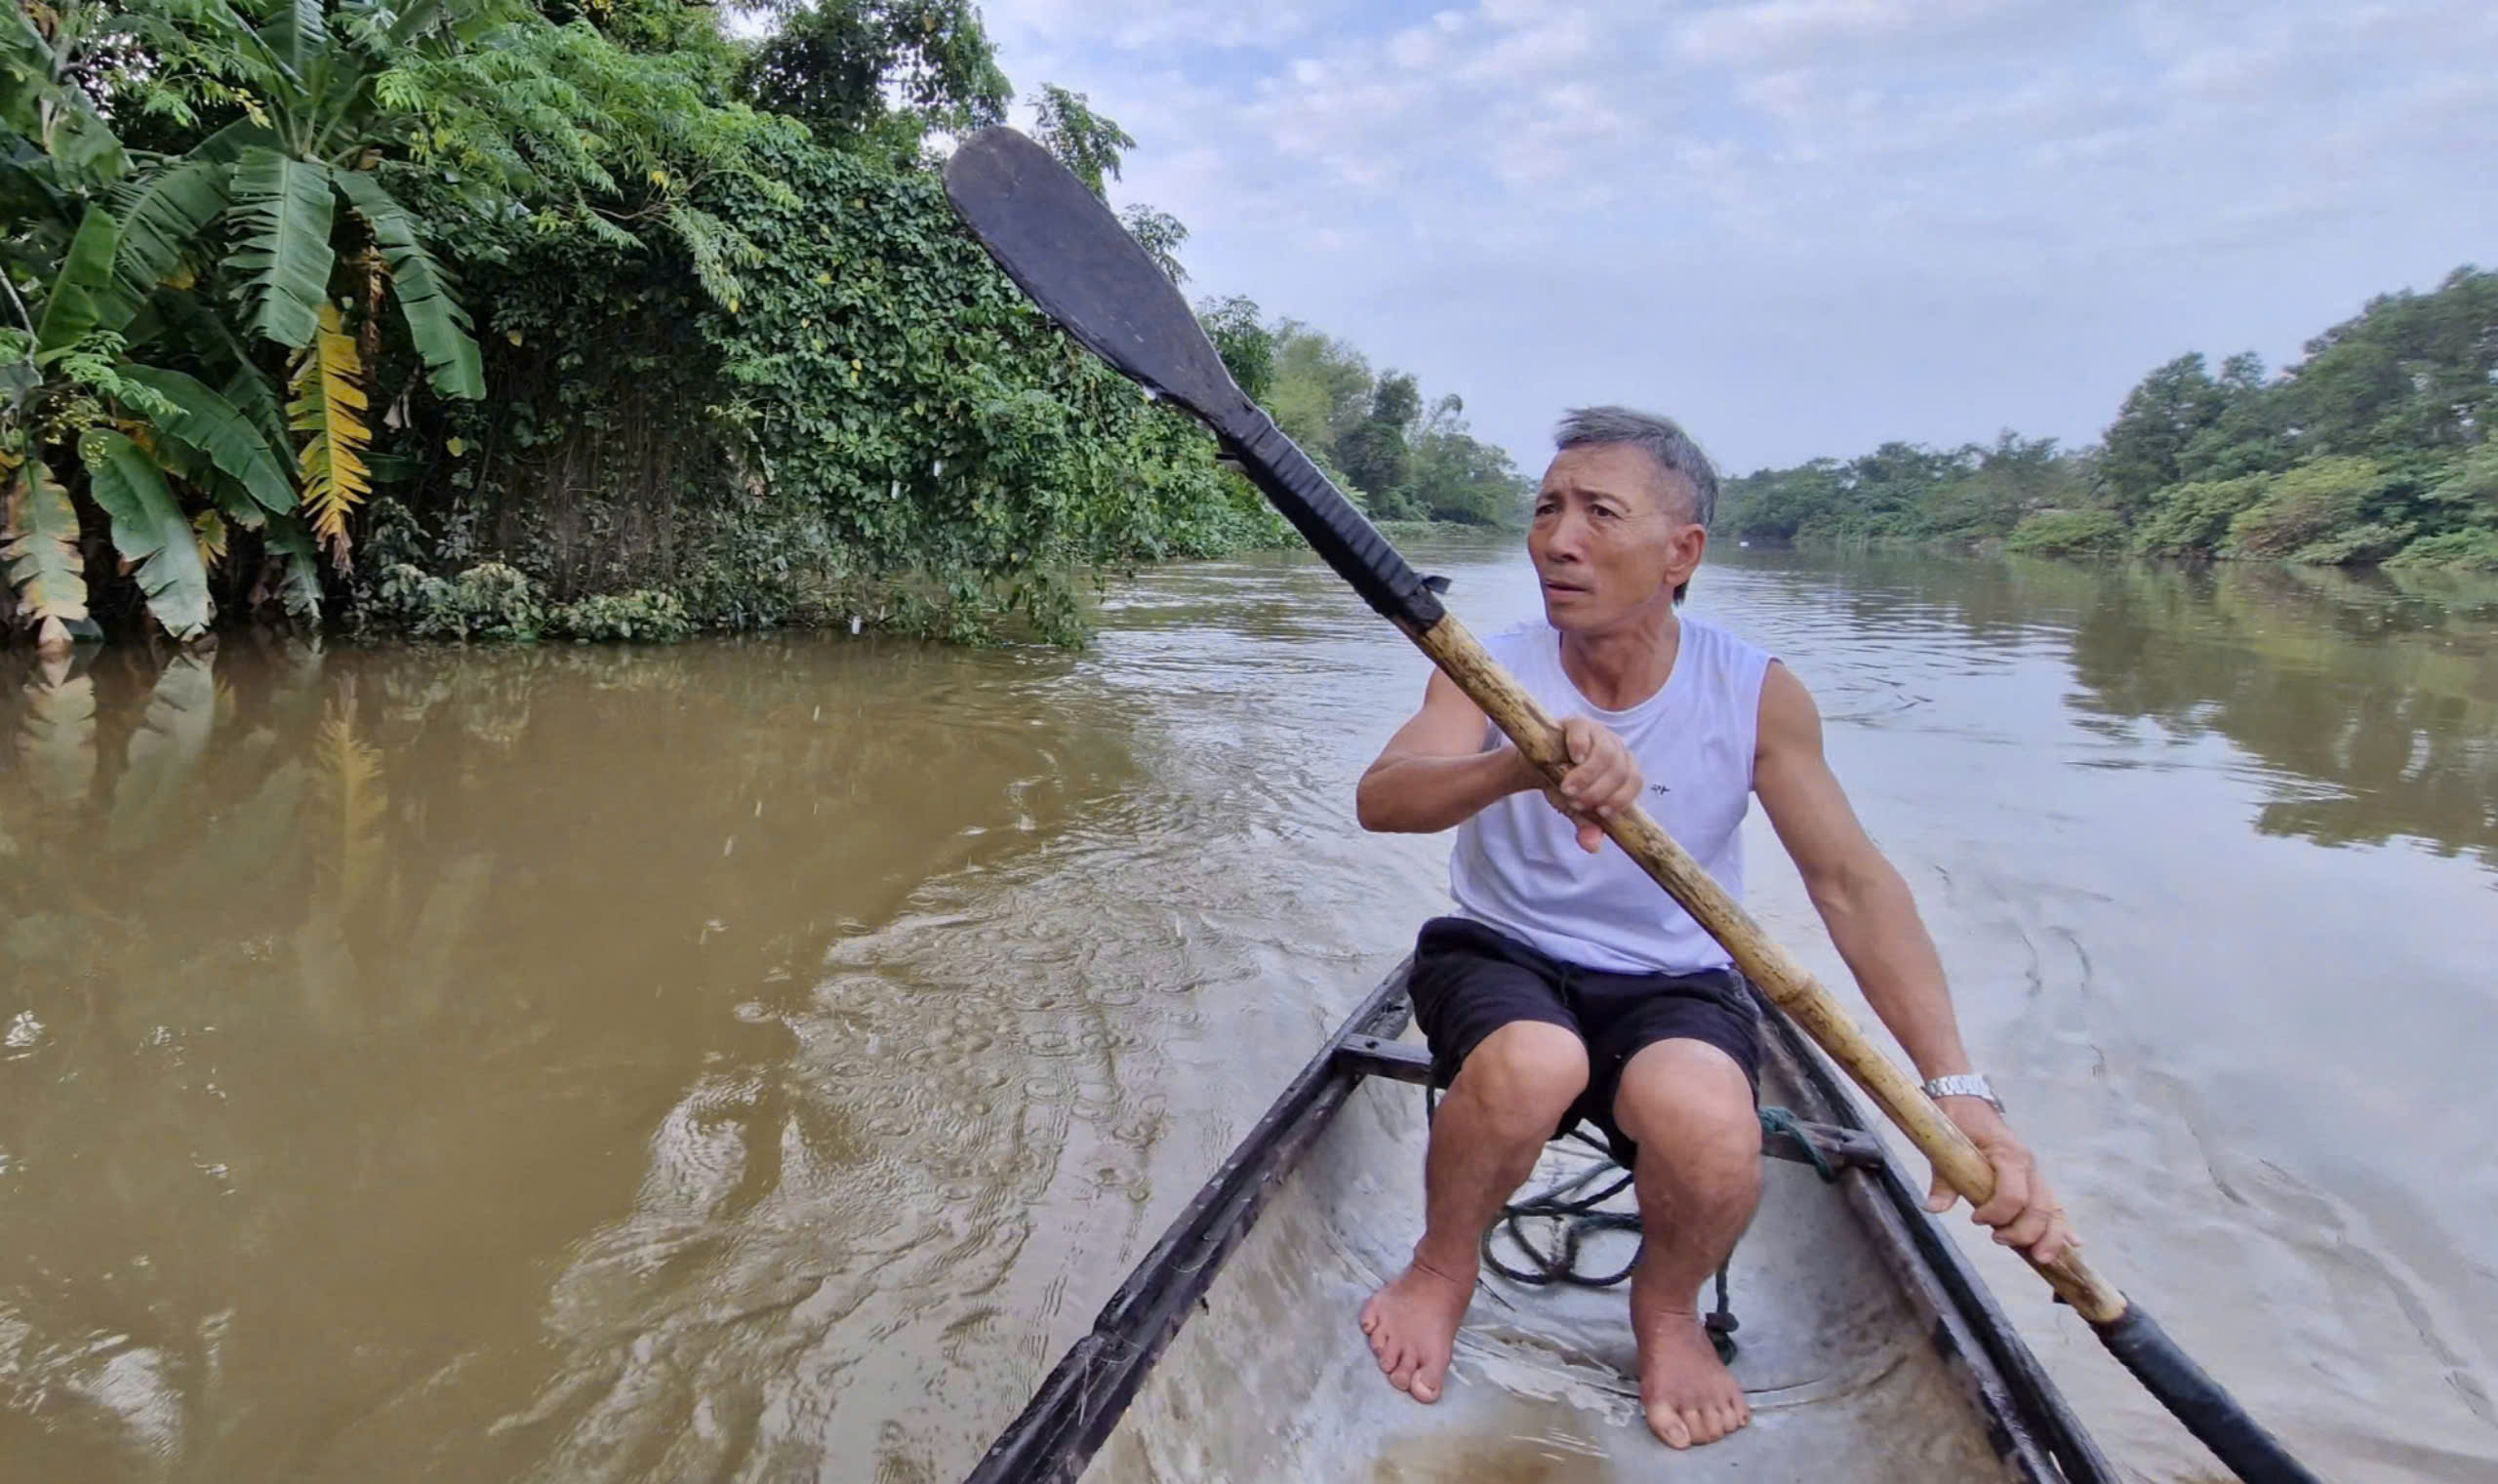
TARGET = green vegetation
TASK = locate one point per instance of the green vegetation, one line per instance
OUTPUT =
(1374, 436)
(495, 318)
(2374, 448)
(212, 212)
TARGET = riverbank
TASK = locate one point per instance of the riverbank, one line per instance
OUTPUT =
(2468, 563)
(498, 602)
(1404, 531)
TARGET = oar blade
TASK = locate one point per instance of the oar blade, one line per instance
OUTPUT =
(1064, 248)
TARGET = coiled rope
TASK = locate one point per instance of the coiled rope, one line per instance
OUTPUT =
(1569, 1213)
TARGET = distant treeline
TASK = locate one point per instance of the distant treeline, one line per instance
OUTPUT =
(2375, 447)
(1397, 458)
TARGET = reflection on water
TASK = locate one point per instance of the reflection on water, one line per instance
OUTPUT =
(754, 1060)
(2365, 703)
(2371, 700)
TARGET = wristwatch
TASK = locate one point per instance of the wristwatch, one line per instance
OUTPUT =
(1963, 1085)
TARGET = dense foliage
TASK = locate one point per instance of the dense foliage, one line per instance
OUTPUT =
(2375, 447)
(878, 427)
(492, 318)
(212, 212)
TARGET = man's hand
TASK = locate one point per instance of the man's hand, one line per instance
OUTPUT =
(1603, 779)
(2023, 1211)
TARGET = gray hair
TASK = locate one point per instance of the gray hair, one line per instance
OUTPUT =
(1662, 439)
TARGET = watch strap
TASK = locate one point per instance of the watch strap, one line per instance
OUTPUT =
(1963, 1085)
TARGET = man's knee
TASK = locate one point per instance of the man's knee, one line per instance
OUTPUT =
(1691, 1104)
(1524, 1076)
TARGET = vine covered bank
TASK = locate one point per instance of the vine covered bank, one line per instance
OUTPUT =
(519, 318)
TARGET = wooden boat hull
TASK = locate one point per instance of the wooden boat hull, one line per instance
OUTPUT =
(1868, 1349)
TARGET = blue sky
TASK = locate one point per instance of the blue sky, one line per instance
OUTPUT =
(1801, 227)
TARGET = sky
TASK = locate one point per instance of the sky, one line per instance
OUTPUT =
(1800, 227)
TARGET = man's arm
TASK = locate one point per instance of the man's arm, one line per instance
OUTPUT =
(1435, 773)
(1873, 921)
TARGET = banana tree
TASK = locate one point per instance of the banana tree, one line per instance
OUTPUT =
(251, 205)
(199, 259)
(211, 205)
(325, 97)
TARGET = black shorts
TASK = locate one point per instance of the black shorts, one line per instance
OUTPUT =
(1469, 981)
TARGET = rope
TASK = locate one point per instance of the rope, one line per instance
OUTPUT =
(1571, 1209)
(1775, 1120)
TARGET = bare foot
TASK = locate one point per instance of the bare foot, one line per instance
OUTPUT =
(1690, 1395)
(1412, 1325)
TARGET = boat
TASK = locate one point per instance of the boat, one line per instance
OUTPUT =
(1870, 1350)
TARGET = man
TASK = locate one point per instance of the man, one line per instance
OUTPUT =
(1568, 985)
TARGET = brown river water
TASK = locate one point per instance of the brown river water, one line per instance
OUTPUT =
(755, 1058)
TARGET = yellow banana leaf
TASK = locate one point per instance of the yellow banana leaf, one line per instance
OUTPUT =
(328, 407)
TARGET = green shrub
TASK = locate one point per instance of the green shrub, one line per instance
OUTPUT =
(2475, 549)
(641, 614)
(877, 424)
(2304, 506)
(2067, 533)
(2373, 541)
(2194, 519)
(488, 601)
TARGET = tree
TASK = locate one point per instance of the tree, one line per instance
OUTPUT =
(1092, 145)
(1322, 387)
(1240, 336)
(897, 68)
(1374, 454)
(2410, 370)
(1784, 504)
(1160, 234)
(2376, 447)
(1458, 479)
(314, 156)
(2249, 436)
(2145, 448)
(1088, 143)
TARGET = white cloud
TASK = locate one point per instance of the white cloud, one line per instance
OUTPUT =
(1142, 25)
(1769, 30)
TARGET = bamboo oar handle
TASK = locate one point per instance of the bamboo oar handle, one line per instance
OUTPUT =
(1464, 660)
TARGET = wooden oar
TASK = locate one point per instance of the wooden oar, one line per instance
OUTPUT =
(1064, 247)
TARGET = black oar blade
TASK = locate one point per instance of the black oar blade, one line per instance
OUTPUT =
(1065, 250)
(1062, 246)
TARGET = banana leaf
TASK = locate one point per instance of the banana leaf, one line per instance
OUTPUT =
(283, 205)
(45, 566)
(209, 422)
(83, 297)
(329, 406)
(150, 531)
(436, 322)
(300, 588)
(162, 217)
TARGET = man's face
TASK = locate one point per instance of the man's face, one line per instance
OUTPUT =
(1612, 537)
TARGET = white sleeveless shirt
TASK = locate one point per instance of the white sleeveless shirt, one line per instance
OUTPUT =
(1518, 866)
